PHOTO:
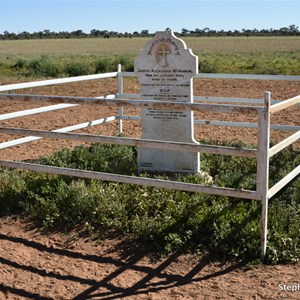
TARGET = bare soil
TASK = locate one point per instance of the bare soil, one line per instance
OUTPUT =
(40, 265)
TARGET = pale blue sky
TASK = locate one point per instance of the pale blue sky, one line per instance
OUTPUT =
(136, 15)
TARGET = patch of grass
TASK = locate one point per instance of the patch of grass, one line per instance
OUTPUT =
(275, 63)
(165, 220)
(116, 46)
(12, 191)
(72, 57)
(55, 66)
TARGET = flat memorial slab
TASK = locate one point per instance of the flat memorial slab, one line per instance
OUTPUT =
(165, 69)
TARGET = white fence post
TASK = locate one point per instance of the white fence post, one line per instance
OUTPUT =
(120, 95)
(263, 168)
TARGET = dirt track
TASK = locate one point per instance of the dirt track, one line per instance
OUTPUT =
(37, 265)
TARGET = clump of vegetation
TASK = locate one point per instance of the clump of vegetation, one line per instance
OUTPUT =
(275, 63)
(164, 219)
(53, 66)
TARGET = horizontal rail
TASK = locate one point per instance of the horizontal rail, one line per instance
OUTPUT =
(208, 99)
(34, 111)
(28, 139)
(166, 145)
(227, 124)
(246, 101)
(128, 74)
(283, 144)
(110, 96)
(284, 104)
(228, 100)
(245, 125)
(247, 76)
(130, 96)
(283, 182)
(189, 187)
(136, 103)
(234, 76)
(25, 85)
(130, 118)
(285, 127)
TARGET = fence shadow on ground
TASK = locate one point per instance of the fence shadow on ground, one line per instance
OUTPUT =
(153, 279)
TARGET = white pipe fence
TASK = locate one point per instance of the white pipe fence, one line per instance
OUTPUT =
(264, 110)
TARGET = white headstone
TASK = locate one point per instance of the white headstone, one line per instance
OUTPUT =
(165, 69)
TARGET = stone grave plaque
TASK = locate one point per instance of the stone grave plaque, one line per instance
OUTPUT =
(165, 69)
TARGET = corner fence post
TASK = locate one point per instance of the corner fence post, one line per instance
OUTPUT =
(263, 168)
(120, 95)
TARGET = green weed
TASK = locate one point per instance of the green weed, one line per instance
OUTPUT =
(165, 220)
(50, 65)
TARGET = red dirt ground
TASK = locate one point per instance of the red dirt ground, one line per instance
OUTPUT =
(42, 265)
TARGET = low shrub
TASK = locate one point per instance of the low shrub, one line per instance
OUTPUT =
(55, 65)
(106, 64)
(13, 190)
(77, 69)
(267, 63)
(63, 65)
(166, 220)
(43, 66)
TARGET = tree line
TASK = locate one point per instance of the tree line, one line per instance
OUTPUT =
(291, 30)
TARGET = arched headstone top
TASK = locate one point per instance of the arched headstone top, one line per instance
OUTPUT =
(168, 53)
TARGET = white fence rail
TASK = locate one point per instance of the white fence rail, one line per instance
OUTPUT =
(25, 85)
(264, 110)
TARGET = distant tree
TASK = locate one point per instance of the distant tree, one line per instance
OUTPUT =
(236, 33)
(95, 32)
(185, 32)
(221, 33)
(198, 31)
(78, 33)
(293, 29)
(46, 33)
(113, 33)
(65, 34)
(10, 35)
(105, 34)
(24, 35)
(145, 32)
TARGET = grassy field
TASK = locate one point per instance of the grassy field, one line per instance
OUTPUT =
(117, 46)
(72, 57)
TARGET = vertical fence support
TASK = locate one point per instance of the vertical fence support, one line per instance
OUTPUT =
(120, 95)
(263, 168)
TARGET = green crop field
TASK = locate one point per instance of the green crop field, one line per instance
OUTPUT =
(71, 57)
